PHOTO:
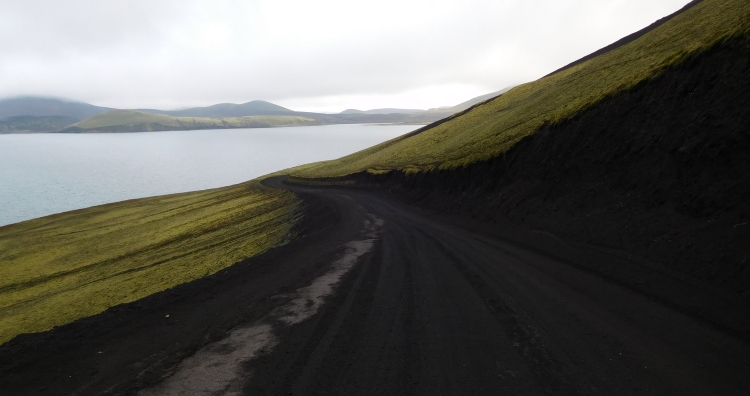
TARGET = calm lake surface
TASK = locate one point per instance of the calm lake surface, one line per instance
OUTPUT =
(42, 174)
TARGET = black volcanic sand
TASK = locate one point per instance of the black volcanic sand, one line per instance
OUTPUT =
(658, 176)
(602, 256)
(437, 308)
(132, 346)
(433, 308)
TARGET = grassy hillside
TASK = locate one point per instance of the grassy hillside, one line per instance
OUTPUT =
(63, 267)
(136, 121)
(382, 111)
(490, 129)
(222, 110)
(24, 124)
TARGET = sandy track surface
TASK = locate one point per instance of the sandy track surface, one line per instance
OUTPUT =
(378, 299)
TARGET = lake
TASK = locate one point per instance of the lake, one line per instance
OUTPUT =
(42, 174)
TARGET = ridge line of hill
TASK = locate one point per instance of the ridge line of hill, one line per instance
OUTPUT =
(37, 114)
(494, 126)
(627, 39)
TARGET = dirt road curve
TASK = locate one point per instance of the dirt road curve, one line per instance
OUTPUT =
(436, 309)
(379, 299)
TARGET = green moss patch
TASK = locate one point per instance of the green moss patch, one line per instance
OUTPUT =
(68, 266)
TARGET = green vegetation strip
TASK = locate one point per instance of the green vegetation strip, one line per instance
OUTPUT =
(68, 266)
(492, 128)
(137, 121)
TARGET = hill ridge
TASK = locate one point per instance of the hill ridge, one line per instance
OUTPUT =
(494, 126)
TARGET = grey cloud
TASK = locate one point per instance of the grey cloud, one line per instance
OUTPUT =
(48, 29)
(173, 54)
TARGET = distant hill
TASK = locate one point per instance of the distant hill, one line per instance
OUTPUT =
(473, 101)
(447, 110)
(137, 121)
(140, 121)
(255, 107)
(253, 114)
(382, 111)
(38, 106)
(28, 124)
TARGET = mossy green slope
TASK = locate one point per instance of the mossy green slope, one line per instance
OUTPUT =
(24, 124)
(136, 121)
(492, 128)
(63, 267)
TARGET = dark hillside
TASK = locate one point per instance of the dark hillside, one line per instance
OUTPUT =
(43, 107)
(660, 173)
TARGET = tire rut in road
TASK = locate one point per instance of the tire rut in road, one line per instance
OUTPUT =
(218, 367)
(524, 336)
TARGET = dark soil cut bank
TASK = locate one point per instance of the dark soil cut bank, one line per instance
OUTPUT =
(660, 173)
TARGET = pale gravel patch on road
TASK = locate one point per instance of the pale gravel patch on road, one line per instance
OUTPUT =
(217, 368)
(309, 299)
(213, 370)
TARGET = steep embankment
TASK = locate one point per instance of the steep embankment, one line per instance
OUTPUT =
(661, 172)
(656, 169)
(492, 128)
(64, 267)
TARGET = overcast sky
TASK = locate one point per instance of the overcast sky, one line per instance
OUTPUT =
(322, 55)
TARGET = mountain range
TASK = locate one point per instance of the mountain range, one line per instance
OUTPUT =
(30, 114)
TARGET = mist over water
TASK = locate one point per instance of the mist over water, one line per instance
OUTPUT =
(42, 174)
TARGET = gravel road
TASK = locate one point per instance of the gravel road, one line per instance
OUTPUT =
(378, 298)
